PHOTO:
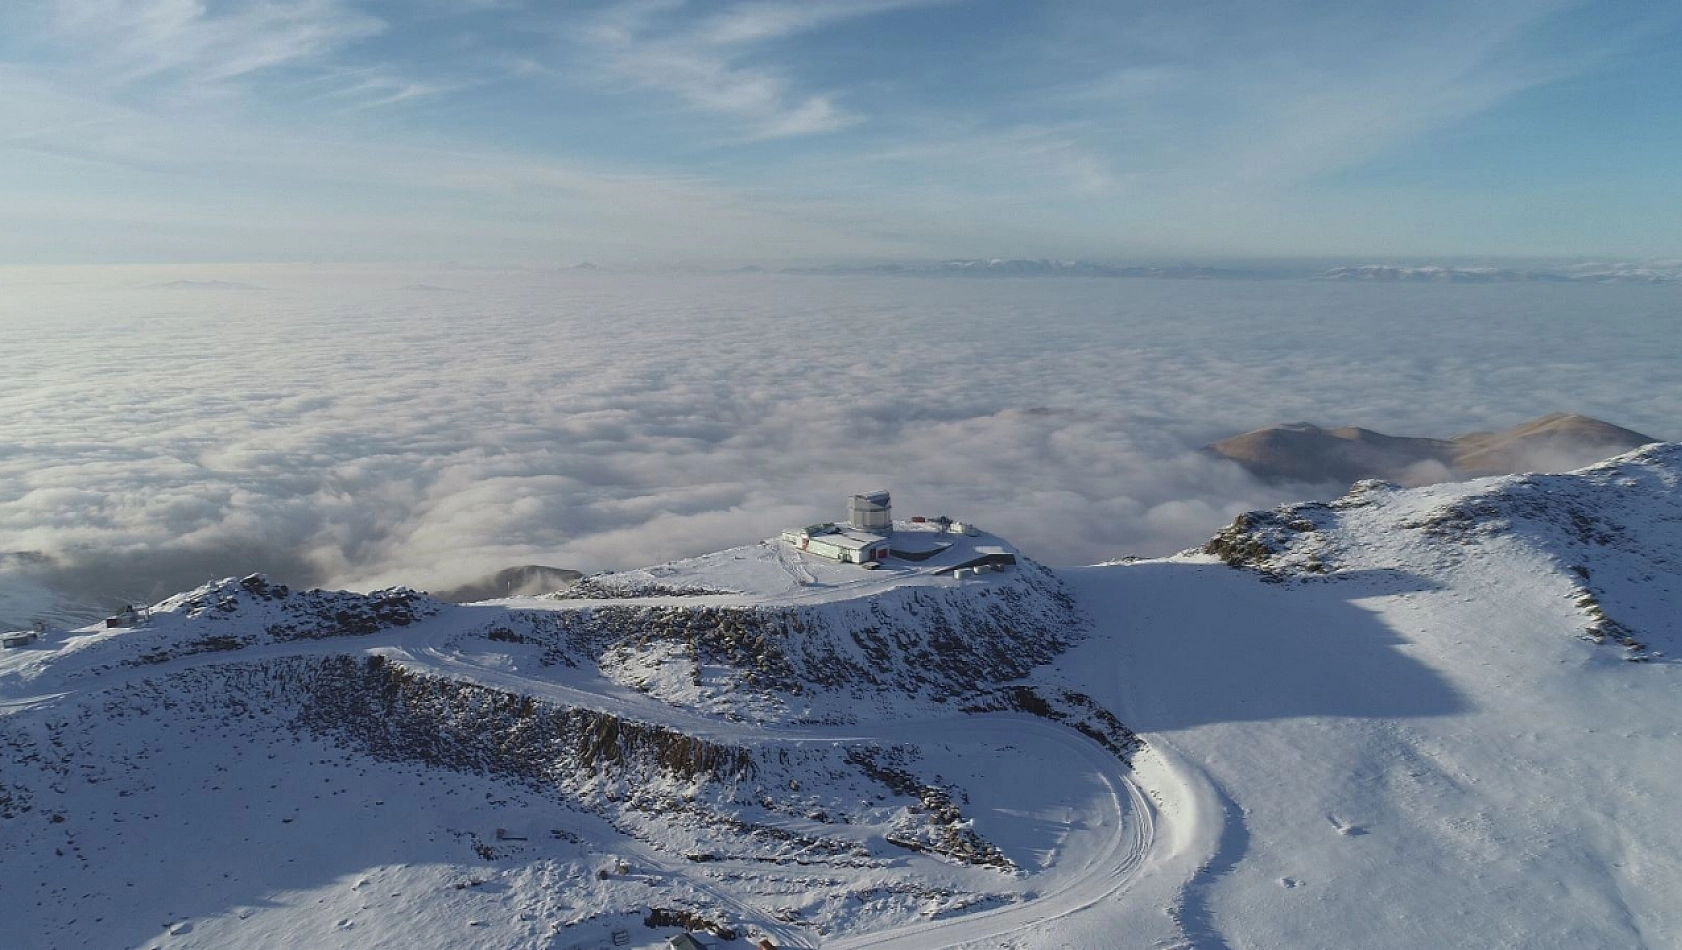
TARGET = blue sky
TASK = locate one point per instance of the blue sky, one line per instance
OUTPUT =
(664, 131)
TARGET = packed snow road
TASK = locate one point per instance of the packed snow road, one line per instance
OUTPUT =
(1119, 835)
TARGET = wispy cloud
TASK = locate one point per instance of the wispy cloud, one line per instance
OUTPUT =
(188, 42)
(1275, 96)
(1080, 128)
(658, 44)
(373, 87)
(186, 175)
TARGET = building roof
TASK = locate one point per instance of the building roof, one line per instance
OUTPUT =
(850, 540)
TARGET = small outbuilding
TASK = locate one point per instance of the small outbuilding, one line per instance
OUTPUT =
(129, 616)
(21, 638)
(685, 942)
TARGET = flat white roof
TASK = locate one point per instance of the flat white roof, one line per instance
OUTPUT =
(851, 540)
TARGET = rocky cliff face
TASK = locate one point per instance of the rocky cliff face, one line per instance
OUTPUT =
(926, 643)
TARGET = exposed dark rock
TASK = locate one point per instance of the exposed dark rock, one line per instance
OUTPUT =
(935, 643)
(1077, 710)
(225, 611)
(394, 713)
(944, 830)
(688, 920)
(591, 588)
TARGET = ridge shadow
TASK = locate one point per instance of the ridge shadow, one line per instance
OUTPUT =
(1206, 643)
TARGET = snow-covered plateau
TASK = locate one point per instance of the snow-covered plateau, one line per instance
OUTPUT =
(1436, 717)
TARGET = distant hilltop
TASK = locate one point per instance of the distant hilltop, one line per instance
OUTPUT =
(1301, 452)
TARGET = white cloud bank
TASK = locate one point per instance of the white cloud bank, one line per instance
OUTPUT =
(365, 427)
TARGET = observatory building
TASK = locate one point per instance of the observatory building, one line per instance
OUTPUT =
(862, 540)
(873, 512)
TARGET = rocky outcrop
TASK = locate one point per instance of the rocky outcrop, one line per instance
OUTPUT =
(1078, 711)
(288, 614)
(1610, 534)
(937, 825)
(936, 643)
(394, 713)
(233, 614)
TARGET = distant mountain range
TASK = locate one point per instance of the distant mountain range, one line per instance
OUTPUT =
(1044, 267)
(1301, 452)
(1650, 272)
(1645, 272)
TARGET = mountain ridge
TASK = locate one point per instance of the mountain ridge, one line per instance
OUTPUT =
(1307, 453)
(1335, 710)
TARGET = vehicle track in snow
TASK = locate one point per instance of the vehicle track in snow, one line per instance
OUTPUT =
(1128, 823)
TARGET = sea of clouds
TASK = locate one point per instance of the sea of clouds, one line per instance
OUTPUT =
(364, 427)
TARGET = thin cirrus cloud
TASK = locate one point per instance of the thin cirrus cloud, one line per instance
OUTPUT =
(196, 44)
(660, 45)
(964, 127)
(373, 426)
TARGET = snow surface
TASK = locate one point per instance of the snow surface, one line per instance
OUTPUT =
(1423, 718)
(775, 572)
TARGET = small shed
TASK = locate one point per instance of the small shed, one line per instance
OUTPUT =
(685, 942)
(129, 616)
(21, 638)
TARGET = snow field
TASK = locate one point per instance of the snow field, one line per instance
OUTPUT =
(1409, 719)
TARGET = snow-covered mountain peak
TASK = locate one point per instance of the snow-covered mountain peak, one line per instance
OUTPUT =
(1608, 533)
(219, 617)
(304, 614)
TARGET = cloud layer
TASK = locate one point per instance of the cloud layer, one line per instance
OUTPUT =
(370, 427)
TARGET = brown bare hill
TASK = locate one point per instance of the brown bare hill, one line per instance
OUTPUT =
(1301, 452)
(1557, 442)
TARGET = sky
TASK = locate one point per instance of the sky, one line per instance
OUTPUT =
(370, 425)
(656, 132)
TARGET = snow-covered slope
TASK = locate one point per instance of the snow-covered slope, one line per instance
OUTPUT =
(758, 743)
(1410, 714)
(1404, 718)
